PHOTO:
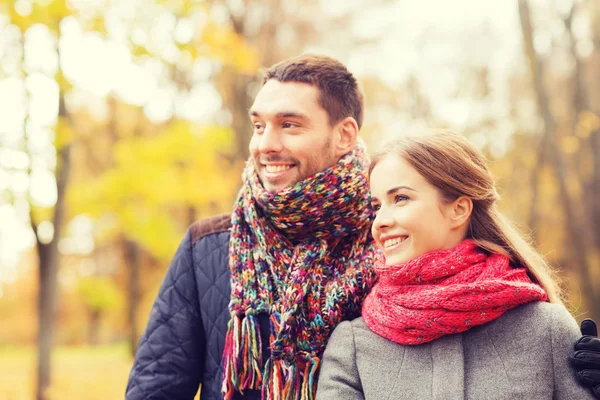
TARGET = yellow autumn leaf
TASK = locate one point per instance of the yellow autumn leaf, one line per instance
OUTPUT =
(587, 123)
(229, 48)
(569, 144)
(63, 133)
(56, 9)
(63, 83)
(99, 293)
(20, 21)
(48, 13)
(40, 214)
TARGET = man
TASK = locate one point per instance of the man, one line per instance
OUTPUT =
(250, 299)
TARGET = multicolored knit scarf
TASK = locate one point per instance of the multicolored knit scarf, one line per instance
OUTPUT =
(445, 292)
(304, 256)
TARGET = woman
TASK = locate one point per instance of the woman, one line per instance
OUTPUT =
(464, 307)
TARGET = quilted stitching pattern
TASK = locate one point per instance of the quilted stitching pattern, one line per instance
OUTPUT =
(185, 335)
(214, 288)
(169, 355)
(183, 342)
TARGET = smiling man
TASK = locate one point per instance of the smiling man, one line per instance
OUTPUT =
(251, 298)
(292, 134)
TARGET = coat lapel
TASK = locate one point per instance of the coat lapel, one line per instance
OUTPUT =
(448, 378)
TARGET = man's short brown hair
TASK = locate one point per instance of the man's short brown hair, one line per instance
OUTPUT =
(340, 95)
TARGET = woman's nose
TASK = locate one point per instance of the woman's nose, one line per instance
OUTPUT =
(383, 220)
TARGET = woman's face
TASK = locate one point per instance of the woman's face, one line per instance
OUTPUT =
(411, 218)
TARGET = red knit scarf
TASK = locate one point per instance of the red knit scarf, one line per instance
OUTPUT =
(445, 292)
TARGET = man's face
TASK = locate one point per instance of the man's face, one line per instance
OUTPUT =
(292, 137)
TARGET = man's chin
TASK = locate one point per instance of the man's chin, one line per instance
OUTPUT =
(277, 186)
(274, 188)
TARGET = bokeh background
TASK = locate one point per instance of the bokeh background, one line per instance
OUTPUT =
(123, 121)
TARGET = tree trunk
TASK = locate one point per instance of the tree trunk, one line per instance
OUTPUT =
(534, 216)
(48, 263)
(133, 266)
(595, 192)
(46, 314)
(192, 215)
(572, 220)
(239, 102)
(594, 87)
(94, 332)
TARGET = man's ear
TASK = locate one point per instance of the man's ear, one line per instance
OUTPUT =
(347, 131)
(460, 211)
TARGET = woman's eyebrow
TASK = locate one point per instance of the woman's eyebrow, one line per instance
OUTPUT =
(398, 188)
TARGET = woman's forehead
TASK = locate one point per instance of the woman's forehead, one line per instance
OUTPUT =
(393, 171)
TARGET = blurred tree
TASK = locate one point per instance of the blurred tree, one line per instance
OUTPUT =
(207, 186)
(277, 31)
(560, 125)
(99, 295)
(50, 14)
(179, 168)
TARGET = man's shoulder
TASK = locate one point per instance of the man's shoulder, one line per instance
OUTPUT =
(210, 226)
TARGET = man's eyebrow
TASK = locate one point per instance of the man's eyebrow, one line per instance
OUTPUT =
(284, 114)
(291, 114)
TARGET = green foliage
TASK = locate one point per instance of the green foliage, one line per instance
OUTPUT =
(181, 167)
(99, 293)
(48, 13)
(228, 47)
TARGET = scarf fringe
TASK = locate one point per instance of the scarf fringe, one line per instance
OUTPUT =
(272, 274)
(285, 381)
(242, 356)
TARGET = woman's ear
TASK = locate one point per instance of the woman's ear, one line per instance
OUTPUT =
(347, 131)
(460, 211)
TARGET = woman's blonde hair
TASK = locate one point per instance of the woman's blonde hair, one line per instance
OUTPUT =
(456, 168)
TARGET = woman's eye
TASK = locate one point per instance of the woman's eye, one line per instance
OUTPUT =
(375, 207)
(399, 198)
(257, 126)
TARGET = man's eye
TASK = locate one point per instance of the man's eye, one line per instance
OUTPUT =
(257, 126)
(288, 125)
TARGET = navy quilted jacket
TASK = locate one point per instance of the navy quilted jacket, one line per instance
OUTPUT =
(182, 345)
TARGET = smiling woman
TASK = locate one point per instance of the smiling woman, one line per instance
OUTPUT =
(411, 218)
(456, 281)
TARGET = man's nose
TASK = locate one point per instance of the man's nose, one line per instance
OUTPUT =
(270, 141)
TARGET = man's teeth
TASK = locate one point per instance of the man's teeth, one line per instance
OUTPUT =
(276, 168)
(391, 242)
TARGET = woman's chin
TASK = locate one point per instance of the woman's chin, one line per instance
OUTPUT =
(395, 259)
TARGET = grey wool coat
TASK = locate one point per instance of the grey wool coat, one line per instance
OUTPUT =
(521, 355)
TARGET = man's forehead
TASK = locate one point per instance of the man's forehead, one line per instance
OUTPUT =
(285, 97)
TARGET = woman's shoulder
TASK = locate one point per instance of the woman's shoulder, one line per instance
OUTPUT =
(355, 326)
(360, 334)
(536, 319)
(540, 312)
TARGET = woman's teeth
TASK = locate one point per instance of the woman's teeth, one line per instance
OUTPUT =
(394, 241)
